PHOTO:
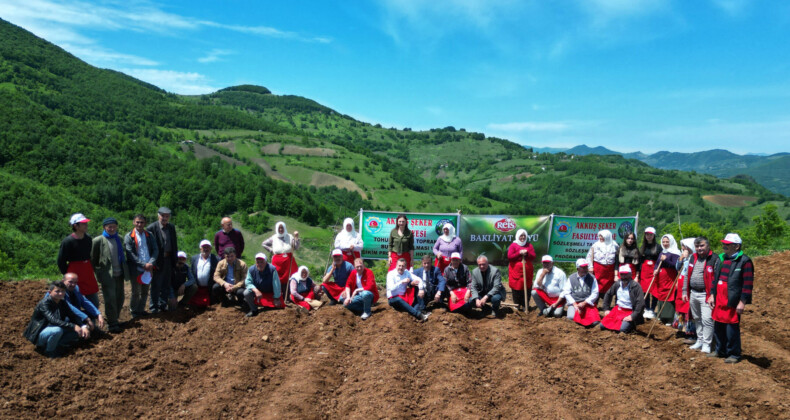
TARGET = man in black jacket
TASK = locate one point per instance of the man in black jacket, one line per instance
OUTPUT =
(165, 234)
(54, 326)
(629, 303)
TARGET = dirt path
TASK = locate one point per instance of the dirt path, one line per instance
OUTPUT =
(330, 364)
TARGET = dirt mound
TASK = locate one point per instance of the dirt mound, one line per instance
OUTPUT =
(323, 179)
(330, 364)
(729, 200)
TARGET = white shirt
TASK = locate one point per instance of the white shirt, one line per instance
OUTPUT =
(203, 270)
(396, 285)
(624, 298)
(566, 292)
(553, 282)
(142, 247)
(603, 254)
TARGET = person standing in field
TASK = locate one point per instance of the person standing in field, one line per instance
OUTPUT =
(349, 241)
(629, 255)
(164, 234)
(228, 236)
(729, 296)
(666, 276)
(401, 243)
(682, 321)
(520, 254)
(602, 257)
(282, 246)
(696, 289)
(445, 245)
(74, 256)
(109, 263)
(648, 255)
(141, 254)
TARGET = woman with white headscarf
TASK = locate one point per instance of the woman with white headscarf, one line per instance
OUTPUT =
(445, 246)
(303, 291)
(520, 255)
(282, 245)
(666, 276)
(681, 306)
(349, 241)
(602, 257)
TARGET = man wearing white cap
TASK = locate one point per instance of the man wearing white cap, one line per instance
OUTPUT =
(729, 296)
(184, 283)
(581, 294)
(457, 278)
(339, 271)
(548, 288)
(262, 286)
(74, 256)
(629, 303)
(229, 278)
(203, 266)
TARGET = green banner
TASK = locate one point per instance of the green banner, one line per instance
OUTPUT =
(572, 237)
(376, 227)
(491, 235)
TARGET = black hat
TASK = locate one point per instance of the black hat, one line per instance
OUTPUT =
(164, 210)
(109, 221)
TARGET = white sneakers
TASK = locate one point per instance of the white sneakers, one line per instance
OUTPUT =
(697, 345)
(649, 314)
(365, 316)
(705, 348)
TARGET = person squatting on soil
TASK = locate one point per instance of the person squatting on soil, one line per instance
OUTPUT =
(729, 296)
(361, 290)
(184, 283)
(203, 266)
(457, 281)
(581, 295)
(109, 264)
(304, 292)
(548, 288)
(520, 254)
(228, 284)
(629, 303)
(54, 326)
(262, 286)
(81, 305)
(487, 286)
(338, 272)
(696, 291)
(432, 279)
(405, 291)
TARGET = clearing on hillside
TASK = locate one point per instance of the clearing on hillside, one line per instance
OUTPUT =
(203, 152)
(323, 179)
(228, 145)
(729, 200)
(289, 149)
(269, 171)
(523, 175)
(330, 364)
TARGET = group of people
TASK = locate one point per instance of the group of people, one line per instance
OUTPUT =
(712, 289)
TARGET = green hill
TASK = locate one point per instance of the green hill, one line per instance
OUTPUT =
(77, 138)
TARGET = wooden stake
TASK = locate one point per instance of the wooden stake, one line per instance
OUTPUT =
(524, 274)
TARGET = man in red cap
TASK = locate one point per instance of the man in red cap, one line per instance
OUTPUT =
(728, 297)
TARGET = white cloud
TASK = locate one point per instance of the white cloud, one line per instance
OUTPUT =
(214, 55)
(532, 126)
(184, 83)
(100, 57)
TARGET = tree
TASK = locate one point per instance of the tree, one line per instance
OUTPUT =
(769, 226)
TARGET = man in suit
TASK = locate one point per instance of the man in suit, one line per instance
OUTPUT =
(432, 278)
(165, 235)
(487, 286)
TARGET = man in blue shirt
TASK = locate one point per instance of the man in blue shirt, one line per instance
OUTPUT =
(339, 272)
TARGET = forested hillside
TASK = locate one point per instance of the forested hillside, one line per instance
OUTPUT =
(77, 138)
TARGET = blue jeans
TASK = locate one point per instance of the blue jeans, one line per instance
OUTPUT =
(495, 301)
(728, 339)
(361, 302)
(53, 338)
(401, 305)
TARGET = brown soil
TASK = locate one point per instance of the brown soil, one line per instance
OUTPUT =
(289, 149)
(323, 179)
(729, 200)
(203, 152)
(268, 169)
(330, 364)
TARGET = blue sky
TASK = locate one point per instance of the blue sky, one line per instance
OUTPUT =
(630, 75)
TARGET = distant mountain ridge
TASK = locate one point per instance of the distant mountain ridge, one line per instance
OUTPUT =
(771, 171)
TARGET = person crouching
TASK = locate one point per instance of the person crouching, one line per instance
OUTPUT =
(629, 303)
(262, 286)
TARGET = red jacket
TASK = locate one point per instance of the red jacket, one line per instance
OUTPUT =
(368, 283)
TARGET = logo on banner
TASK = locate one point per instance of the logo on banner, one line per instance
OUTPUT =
(563, 229)
(440, 225)
(624, 228)
(505, 225)
(374, 225)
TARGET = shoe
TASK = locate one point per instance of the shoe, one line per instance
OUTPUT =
(649, 314)
(424, 317)
(714, 354)
(301, 309)
(114, 329)
(365, 316)
(252, 313)
(332, 303)
(732, 359)
(705, 348)
(521, 308)
(540, 314)
(698, 345)
(226, 303)
(690, 341)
